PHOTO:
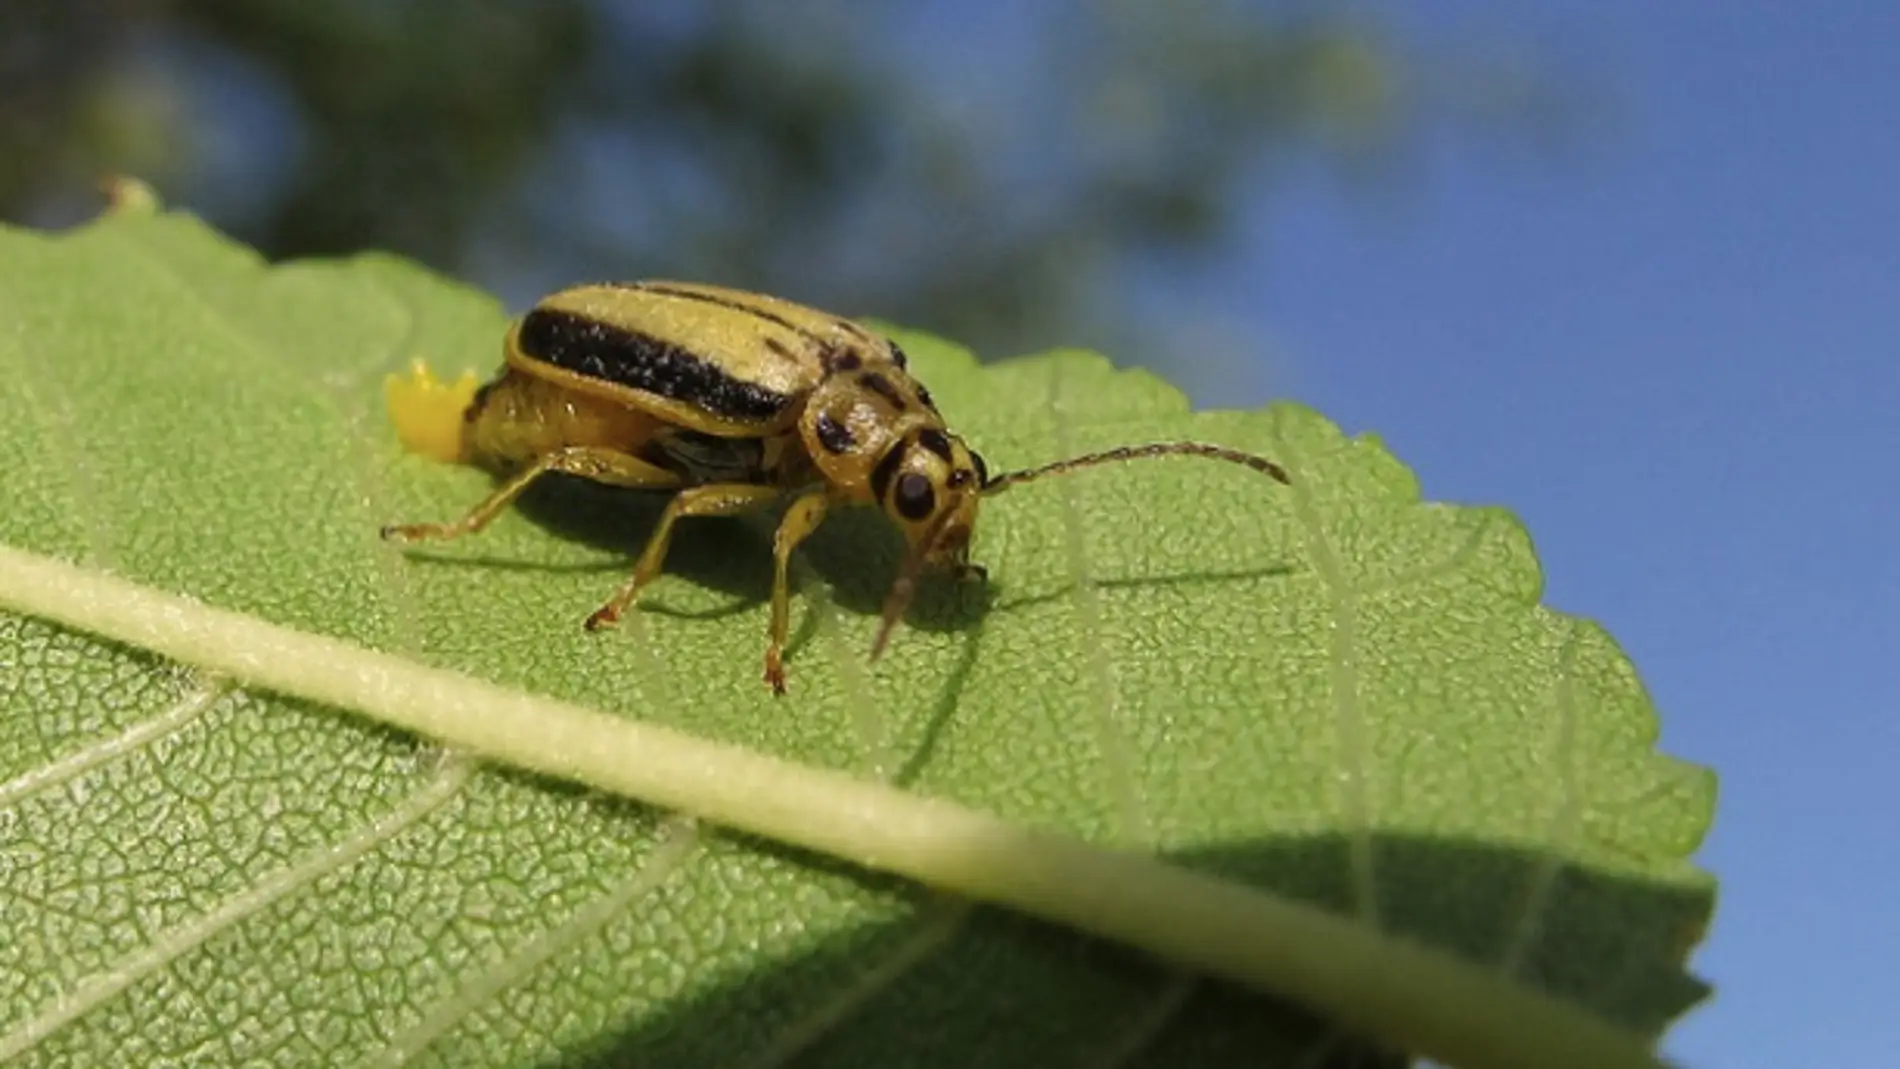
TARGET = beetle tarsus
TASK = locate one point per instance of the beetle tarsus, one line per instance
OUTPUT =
(775, 672)
(603, 617)
(416, 532)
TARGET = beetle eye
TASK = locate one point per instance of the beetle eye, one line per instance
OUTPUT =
(915, 500)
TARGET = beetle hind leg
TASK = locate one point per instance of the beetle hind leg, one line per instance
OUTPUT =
(592, 463)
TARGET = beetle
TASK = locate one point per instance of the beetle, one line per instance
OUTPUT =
(731, 402)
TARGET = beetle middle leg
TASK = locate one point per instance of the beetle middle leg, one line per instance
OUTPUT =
(588, 462)
(715, 499)
(801, 519)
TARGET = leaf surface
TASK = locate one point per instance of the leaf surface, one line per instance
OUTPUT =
(1329, 691)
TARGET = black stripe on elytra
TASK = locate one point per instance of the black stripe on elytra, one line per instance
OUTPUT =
(897, 355)
(886, 470)
(606, 353)
(835, 436)
(881, 386)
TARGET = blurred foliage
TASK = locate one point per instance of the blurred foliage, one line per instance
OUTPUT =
(984, 170)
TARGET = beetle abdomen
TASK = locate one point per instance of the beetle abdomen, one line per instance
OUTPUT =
(519, 418)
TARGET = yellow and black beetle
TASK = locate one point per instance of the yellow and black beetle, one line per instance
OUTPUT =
(731, 401)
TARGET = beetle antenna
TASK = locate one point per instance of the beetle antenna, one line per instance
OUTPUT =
(1138, 452)
(905, 585)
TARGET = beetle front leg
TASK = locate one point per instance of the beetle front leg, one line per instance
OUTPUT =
(801, 519)
(717, 499)
(598, 465)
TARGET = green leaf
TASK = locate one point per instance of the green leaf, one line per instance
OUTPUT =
(1207, 734)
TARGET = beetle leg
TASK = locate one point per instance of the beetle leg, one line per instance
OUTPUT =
(715, 499)
(801, 519)
(598, 465)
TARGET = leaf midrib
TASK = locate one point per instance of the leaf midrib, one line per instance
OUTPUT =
(1417, 998)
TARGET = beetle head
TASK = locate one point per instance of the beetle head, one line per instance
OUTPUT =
(929, 483)
(875, 436)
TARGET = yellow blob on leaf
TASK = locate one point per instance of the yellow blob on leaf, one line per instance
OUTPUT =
(427, 412)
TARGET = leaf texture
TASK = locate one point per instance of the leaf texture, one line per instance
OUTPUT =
(1331, 691)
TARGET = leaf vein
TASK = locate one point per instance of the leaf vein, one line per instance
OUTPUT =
(1400, 990)
(183, 712)
(680, 840)
(946, 918)
(1351, 795)
(1562, 827)
(54, 424)
(104, 986)
(215, 318)
(1448, 564)
(1133, 825)
(872, 727)
(1139, 1033)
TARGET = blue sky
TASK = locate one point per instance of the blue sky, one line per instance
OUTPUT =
(1673, 353)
